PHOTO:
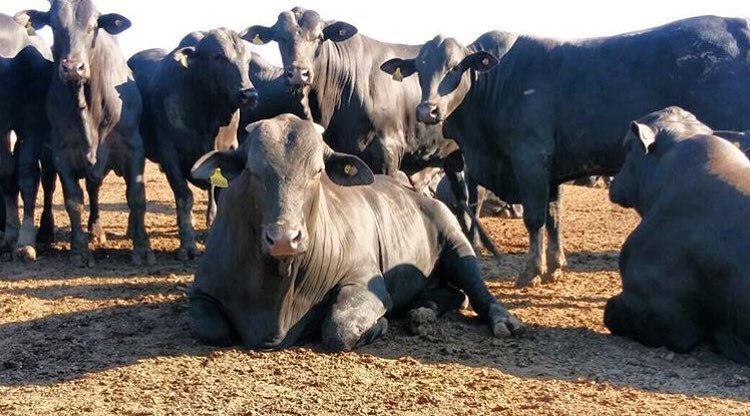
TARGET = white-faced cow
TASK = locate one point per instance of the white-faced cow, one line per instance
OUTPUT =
(685, 270)
(192, 100)
(334, 71)
(309, 243)
(547, 111)
(94, 108)
(25, 67)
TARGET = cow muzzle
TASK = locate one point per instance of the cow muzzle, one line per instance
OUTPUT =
(283, 242)
(73, 70)
(248, 97)
(298, 77)
(429, 113)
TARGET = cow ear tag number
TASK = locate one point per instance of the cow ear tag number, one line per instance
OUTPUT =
(218, 180)
(256, 40)
(397, 75)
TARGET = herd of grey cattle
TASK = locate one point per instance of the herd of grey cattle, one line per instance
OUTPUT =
(322, 230)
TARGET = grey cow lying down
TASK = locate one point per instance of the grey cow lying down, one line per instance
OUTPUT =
(308, 243)
(685, 269)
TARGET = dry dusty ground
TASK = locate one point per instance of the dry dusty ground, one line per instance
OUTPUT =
(115, 339)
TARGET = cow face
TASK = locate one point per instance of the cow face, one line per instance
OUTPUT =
(286, 160)
(75, 24)
(443, 67)
(220, 61)
(299, 33)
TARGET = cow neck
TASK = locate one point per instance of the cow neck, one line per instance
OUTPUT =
(212, 110)
(97, 100)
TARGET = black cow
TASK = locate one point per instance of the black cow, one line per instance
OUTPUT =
(552, 111)
(307, 242)
(274, 97)
(685, 274)
(25, 65)
(334, 70)
(94, 108)
(192, 100)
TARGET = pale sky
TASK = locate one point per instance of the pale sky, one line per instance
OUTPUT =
(162, 23)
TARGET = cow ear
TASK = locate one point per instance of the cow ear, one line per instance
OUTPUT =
(348, 170)
(184, 55)
(481, 61)
(220, 166)
(645, 135)
(339, 31)
(113, 23)
(257, 35)
(399, 68)
(32, 19)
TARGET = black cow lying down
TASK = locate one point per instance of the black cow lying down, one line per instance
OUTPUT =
(685, 273)
(308, 243)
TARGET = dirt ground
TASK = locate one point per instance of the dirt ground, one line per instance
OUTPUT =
(114, 339)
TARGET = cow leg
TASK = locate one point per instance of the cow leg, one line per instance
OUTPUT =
(46, 233)
(9, 194)
(430, 304)
(136, 196)
(184, 200)
(555, 253)
(73, 195)
(357, 315)
(532, 175)
(28, 181)
(209, 323)
(460, 268)
(96, 232)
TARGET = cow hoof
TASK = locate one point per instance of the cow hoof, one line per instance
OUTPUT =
(97, 235)
(421, 320)
(141, 256)
(502, 323)
(82, 258)
(187, 253)
(552, 276)
(524, 281)
(25, 254)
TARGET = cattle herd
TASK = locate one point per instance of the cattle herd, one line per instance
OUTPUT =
(317, 172)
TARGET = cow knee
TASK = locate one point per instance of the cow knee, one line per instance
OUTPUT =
(209, 324)
(346, 335)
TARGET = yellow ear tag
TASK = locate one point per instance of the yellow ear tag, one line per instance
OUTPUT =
(737, 145)
(397, 75)
(256, 40)
(29, 28)
(218, 180)
(350, 170)
(182, 59)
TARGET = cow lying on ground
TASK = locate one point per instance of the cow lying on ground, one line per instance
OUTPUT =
(307, 242)
(548, 111)
(685, 270)
(192, 101)
(25, 67)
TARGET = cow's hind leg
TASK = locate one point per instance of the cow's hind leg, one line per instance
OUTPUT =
(209, 323)
(429, 305)
(357, 315)
(136, 196)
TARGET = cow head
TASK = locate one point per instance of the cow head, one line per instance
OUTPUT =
(443, 66)
(647, 138)
(286, 160)
(299, 33)
(76, 25)
(219, 61)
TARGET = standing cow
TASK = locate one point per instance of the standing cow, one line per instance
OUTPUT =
(334, 71)
(308, 242)
(685, 273)
(94, 108)
(25, 66)
(192, 101)
(547, 111)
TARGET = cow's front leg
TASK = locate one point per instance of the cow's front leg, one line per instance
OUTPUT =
(555, 253)
(209, 324)
(73, 195)
(184, 200)
(430, 304)
(96, 231)
(357, 315)
(136, 196)
(46, 233)
(10, 209)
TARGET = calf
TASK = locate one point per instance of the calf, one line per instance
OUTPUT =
(94, 108)
(25, 65)
(532, 113)
(193, 98)
(307, 242)
(685, 274)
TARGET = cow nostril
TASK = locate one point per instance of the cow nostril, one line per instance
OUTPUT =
(269, 240)
(289, 74)
(305, 74)
(298, 237)
(434, 112)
